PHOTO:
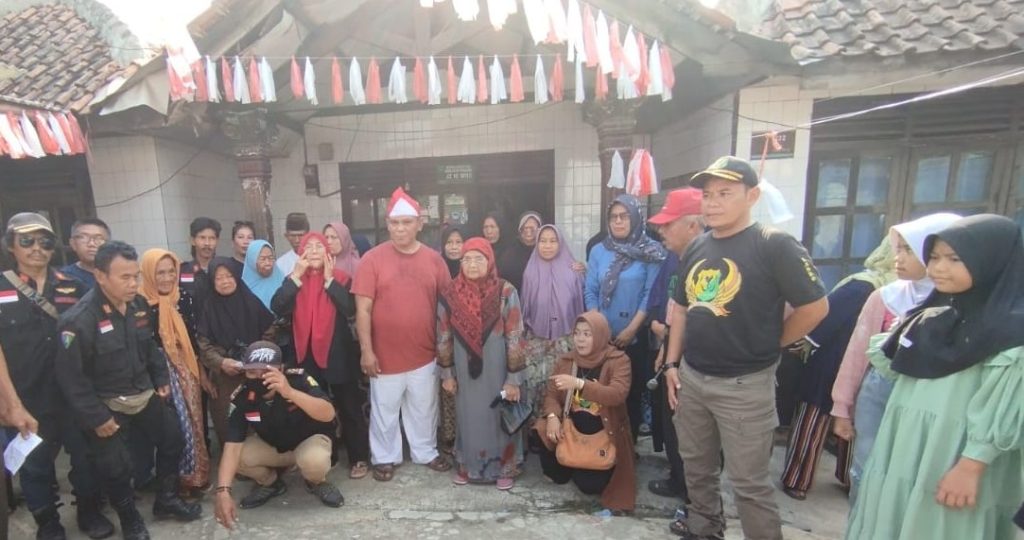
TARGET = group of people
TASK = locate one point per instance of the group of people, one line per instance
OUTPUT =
(487, 347)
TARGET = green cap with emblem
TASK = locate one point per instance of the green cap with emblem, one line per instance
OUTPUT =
(727, 168)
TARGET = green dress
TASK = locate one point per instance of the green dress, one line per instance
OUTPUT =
(928, 425)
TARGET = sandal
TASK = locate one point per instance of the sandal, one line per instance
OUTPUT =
(359, 470)
(439, 464)
(797, 494)
(383, 473)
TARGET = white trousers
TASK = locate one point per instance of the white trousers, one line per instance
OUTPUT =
(413, 396)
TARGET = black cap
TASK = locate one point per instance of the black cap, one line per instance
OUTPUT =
(727, 168)
(296, 221)
(261, 355)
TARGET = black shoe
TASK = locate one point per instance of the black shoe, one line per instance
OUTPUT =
(132, 525)
(664, 488)
(171, 506)
(261, 494)
(328, 494)
(91, 520)
(49, 527)
(679, 528)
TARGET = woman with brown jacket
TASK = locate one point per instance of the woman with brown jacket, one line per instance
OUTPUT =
(599, 392)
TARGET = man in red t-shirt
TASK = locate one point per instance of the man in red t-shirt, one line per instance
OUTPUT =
(396, 289)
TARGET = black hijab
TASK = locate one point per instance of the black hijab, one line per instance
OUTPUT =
(949, 333)
(236, 319)
(503, 233)
(454, 265)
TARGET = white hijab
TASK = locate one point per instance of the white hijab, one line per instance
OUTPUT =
(903, 295)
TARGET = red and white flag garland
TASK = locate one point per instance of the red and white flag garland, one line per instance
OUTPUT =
(592, 42)
(37, 134)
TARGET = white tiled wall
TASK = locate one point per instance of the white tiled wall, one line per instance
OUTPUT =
(692, 143)
(446, 132)
(126, 173)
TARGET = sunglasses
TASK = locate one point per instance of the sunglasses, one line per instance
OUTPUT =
(45, 242)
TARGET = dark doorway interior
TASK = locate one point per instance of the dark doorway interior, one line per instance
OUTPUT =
(57, 187)
(451, 189)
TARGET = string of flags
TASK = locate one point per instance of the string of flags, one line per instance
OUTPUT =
(38, 133)
(592, 43)
(639, 178)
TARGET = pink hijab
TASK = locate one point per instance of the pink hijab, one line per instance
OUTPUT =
(348, 260)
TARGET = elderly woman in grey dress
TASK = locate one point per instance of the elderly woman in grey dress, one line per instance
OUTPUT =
(480, 352)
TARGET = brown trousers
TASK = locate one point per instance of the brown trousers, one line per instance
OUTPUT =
(260, 461)
(734, 415)
(219, 406)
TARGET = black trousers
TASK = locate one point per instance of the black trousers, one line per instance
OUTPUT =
(669, 437)
(113, 458)
(642, 370)
(588, 481)
(349, 401)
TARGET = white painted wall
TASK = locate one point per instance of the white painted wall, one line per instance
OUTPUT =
(126, 173)
(694, 142)
(451, 132)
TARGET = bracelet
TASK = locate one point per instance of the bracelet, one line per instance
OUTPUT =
(222, 489)
(552, 415)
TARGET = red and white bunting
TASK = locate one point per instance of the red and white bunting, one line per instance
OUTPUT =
(36, 134)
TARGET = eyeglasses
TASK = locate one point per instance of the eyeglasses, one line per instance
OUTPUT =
(45, 242)
(97, 239)
(618, 216)
(474, 261)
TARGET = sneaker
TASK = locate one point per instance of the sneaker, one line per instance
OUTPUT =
(460, 479)
(505, 484)
(261, 494)
(328, 493)
(664, 488)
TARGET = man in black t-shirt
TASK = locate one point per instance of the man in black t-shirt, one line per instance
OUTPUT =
(279, 419)
(728, 330)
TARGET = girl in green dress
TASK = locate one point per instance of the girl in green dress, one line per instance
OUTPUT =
(948, 462)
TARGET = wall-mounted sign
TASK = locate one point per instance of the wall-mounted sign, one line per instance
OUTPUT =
(784, 149)
(455, 174)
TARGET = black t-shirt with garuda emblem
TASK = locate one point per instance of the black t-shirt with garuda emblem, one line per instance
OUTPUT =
(735, 290)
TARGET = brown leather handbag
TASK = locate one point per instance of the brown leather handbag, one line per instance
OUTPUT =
(594, 452)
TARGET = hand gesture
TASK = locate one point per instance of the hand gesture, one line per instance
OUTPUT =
(231, 367)
(328, 266)
(843, 428)
(450, 386)
(554, 429)
(19, 418)
(564, 381)
(511, 392)
(276, 380)
(224, 510)
(107, 429)
(959, 487)
(301, 264)
(368, 363)
(672, 387)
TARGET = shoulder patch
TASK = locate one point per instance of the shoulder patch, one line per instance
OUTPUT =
(141, 314)
(311, 381)
(66, 337)
(294, 371)
(237, 390)
(66, 290)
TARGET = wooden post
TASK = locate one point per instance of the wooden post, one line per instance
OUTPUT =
(252, 133)
(615, 121)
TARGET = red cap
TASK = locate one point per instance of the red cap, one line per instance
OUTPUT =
(678, 203)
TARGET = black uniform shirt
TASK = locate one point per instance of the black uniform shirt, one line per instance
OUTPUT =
(28, 337)
(105, 354)
(197, 283)
(278, 422)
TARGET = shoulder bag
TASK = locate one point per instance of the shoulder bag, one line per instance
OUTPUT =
(580, 451)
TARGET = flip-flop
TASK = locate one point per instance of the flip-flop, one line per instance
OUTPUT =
(383, 473)
(359, 470)
(439, 464)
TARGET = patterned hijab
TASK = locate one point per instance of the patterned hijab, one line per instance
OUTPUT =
(637, 246)
(474, 305)
(348, 260)
(552, 293)
(879, 267)
(177, 344)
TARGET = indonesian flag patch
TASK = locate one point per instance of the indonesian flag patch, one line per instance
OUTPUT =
(105, 326)
(188, 278)
(253, 416)
(7, 297)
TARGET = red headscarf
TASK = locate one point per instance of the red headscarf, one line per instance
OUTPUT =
(313, 319)
(474, 305)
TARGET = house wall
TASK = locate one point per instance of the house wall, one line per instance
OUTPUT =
(451, 132)
(692, 143)
(126, 173)
(782, 103)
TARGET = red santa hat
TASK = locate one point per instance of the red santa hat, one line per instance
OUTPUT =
(402, 205)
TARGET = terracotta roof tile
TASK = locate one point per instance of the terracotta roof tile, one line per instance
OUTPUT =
(888, 28)
(58, 58)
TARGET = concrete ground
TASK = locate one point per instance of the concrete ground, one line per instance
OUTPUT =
(421, 504)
